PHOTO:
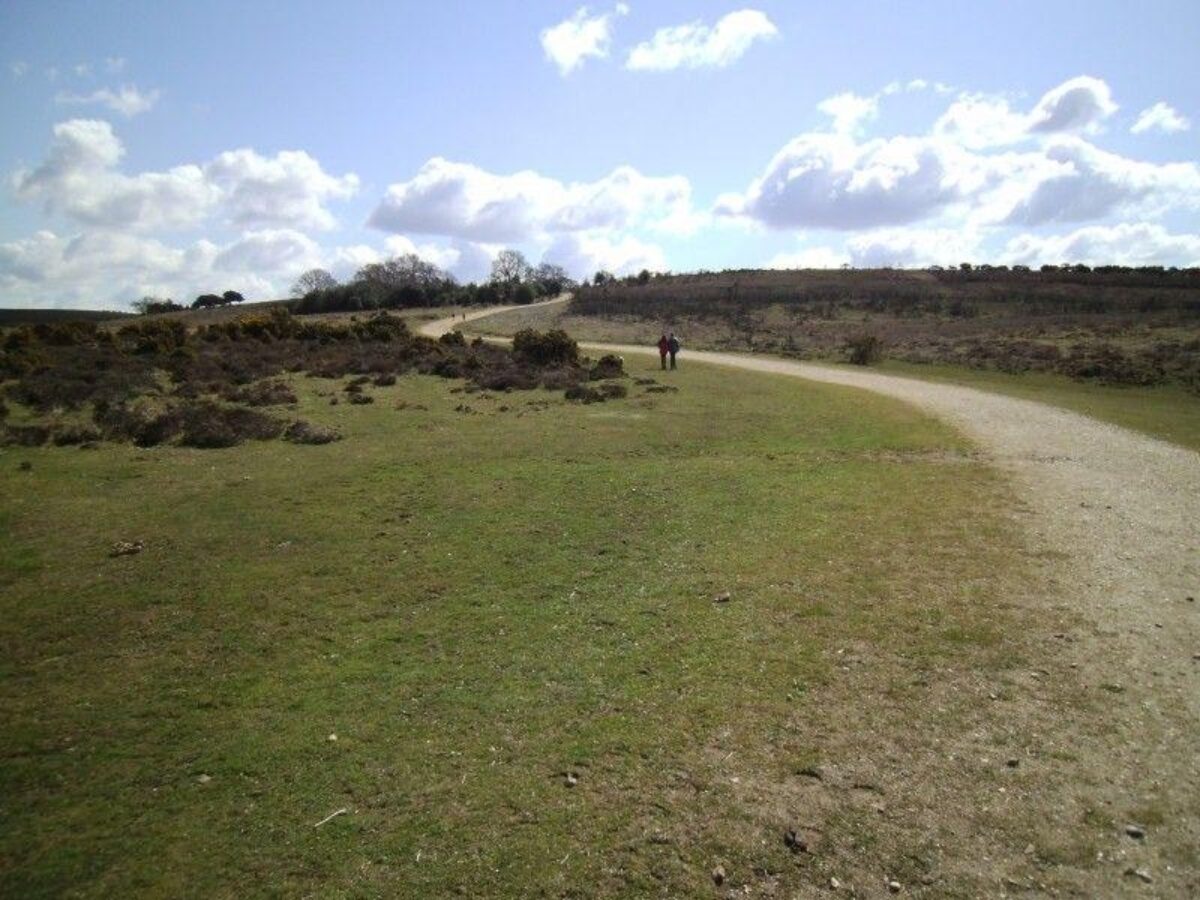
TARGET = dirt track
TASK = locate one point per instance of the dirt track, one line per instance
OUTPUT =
(1121, 513)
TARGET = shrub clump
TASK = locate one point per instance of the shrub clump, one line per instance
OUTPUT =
(208, 425)
(608, 366)
(302, 432)
(264, 393)
(26, 435)
(554, 347)
(582, 393)
(863, 350)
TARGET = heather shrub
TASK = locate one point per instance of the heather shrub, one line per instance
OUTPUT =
(207, 425)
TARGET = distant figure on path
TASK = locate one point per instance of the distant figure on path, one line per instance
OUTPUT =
(664, 347)
(673, 346)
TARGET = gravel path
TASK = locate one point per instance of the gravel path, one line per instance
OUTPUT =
(1121, 512)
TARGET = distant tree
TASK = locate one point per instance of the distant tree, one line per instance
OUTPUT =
(313, 280)
(407, 270)
(510, 267)
(551, 279)
(603, 277)
(148, 305)
(233, 297)
(643, 277)
(206, 301)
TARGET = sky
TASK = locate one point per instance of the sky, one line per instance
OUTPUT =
(174, 149)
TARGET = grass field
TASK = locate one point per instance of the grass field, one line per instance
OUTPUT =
(1166, 411)
(506, 618)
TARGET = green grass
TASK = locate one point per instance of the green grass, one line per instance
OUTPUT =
(475, 604)
(1166, 412)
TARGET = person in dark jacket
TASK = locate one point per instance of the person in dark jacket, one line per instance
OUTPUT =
(673, 347)
(664, 347)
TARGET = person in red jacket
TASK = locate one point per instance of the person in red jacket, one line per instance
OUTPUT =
(664, 346)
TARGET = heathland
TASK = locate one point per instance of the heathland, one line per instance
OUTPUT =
(518, 623)
(1120, 345)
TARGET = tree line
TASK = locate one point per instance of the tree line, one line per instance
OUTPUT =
(409, 281)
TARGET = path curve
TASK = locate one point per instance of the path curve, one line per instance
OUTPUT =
(1123, 507)
(1121, 510)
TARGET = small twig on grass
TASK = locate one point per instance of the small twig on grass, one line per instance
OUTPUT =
(332, 815)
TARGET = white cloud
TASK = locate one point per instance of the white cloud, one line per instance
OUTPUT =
(584, 254)
(912, 247)
(1160, 117)
(1132, 244)
(1078, 105)
(959, 173)
(107, 269)
(810, 258)
(979, 121)
(128, 100)
(1090, 183)
(287, 189)
(849, 111)
(899, 248)
(115, 64)
(464, 201)
(573, 40)
(82, 70)
(270, 250)
(696, 45)
(442, 256)
(79, 179)
(18, 68)
(830, 181)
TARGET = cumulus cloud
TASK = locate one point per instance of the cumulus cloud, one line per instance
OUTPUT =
(1160, 117)
(270, 250)
(1131, 244)
(128, 100)
(18, 68)
(583, 254)
(979, 121)
(963, 170)
(1077, 105)
(467, 202)
(107, 269)
(849, 111)
(897, 248)
(573, 40)
(696, 45)
(289, 188)
(810, 258)
(831, 181)
(1090, 183)
(79, 179)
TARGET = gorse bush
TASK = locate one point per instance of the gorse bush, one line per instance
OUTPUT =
(551, 348)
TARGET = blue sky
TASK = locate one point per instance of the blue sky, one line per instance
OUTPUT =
(180, 148)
